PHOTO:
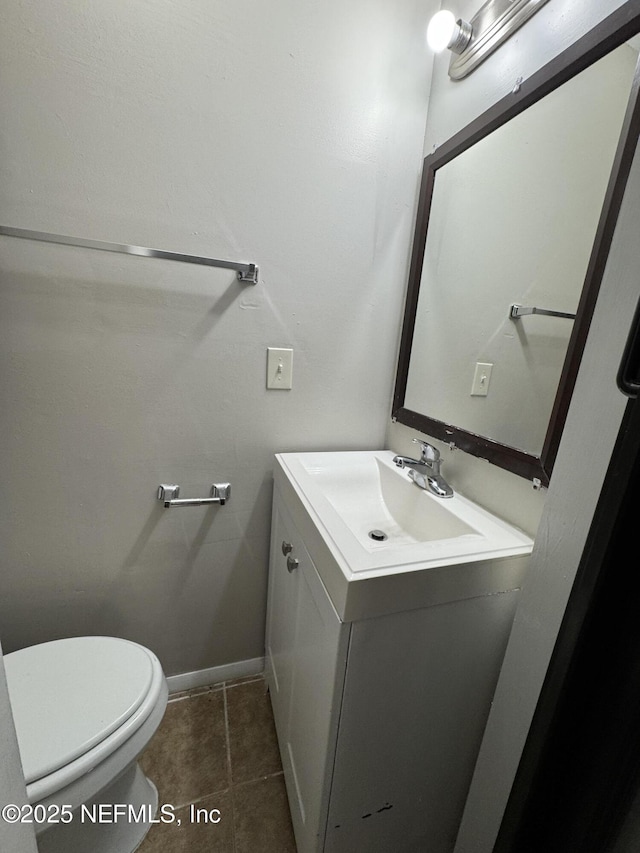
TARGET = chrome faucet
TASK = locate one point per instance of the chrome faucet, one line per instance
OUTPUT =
(425, 472)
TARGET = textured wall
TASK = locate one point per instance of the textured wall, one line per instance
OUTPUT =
(287, 134)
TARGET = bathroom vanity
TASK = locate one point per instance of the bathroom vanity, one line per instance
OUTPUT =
(382, 654)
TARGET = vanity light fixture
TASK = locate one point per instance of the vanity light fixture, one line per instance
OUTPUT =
(471, 42)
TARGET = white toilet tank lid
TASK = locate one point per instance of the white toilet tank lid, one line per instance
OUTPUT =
(69, 695)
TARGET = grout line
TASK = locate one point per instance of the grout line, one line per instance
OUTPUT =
(248, 680)
(206, 797)
(191, 694)
(259, 779)
(210, 688)
(229, 769)
(227, 738)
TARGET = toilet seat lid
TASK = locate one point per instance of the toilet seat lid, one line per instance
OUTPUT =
(69, 695)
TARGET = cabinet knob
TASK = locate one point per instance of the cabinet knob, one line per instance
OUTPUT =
(287, 547)
(292, 563)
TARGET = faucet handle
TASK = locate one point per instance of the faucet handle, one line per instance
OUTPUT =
(429, 452)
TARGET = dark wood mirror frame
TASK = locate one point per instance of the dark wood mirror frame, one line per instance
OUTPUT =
(616, 29)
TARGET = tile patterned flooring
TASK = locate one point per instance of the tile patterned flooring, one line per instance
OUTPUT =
(216, 749)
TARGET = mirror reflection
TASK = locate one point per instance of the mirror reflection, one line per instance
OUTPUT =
(512, 221)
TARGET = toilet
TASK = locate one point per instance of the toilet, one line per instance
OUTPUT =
(84, 709)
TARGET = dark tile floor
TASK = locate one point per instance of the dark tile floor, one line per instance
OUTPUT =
(215, 756)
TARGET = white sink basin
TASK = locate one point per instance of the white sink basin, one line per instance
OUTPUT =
(355, 492)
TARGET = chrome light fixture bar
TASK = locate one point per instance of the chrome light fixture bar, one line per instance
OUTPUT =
(473, 41)
(246, 272)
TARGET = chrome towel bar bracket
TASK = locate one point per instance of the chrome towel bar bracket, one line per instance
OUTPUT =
(517, 311)
(168, 494)
(246, 272)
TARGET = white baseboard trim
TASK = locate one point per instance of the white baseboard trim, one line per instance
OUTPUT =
(215, 674)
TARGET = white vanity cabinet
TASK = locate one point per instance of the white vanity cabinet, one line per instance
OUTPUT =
(306, 652)
(379, 720)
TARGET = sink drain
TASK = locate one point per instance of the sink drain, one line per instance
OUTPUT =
(377, 535)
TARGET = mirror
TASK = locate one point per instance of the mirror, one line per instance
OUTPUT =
(517, 209)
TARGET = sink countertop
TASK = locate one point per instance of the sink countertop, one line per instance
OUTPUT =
(436, 551)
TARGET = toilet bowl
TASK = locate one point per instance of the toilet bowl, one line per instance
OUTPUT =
(84, 709)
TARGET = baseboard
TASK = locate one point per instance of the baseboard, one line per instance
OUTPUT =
(215, 674)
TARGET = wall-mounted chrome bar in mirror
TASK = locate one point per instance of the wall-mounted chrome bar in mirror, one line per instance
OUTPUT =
(168, 494)
(246, 272)
(518, 311)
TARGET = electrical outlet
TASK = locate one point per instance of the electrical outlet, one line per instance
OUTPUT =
(481, 379)
(279, 368)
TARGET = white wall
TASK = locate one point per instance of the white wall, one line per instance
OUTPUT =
(452, 105)
(289, 134)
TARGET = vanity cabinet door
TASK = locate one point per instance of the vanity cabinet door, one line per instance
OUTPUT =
(306, 661)
(281, 621)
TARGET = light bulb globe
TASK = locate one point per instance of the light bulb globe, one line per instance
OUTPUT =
(441, 30)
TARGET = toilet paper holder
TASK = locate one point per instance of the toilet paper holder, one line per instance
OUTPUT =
(168, 494)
